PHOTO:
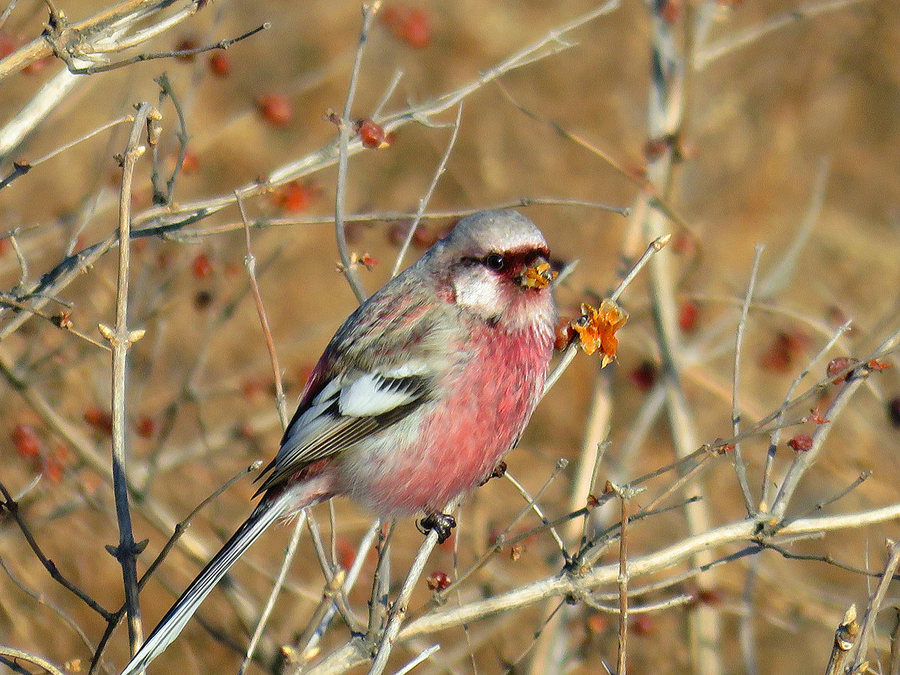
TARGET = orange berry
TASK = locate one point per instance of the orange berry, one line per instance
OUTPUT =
(26, 441)
(191, 163)
(276, 109)
(219, 64)
(295, 197)
(372, 134)
(201, 267)
(98, 418)
(687, 316)
(145, 426)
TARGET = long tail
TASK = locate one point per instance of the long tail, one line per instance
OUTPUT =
(266, 513)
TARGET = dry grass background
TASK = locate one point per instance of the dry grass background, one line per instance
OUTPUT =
(813, 103)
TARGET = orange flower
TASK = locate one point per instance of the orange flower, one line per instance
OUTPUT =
(597, 329)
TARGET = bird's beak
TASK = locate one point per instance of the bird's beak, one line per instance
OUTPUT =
(538, 275)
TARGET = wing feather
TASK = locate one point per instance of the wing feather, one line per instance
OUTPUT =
(343, 415)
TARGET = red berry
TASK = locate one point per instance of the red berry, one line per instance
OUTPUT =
(397, 233)
(346, 554)
(276, 109)
(26, 441)
(784, 349)
(596, 623)
(642, 625)
(409, 25)
(55, 464)
(416, 31)
(437, 581)
(564, 334)
(253, 387)
(295, 197)
(684, 243)
(201, 267)
(303, 371)
(425, 236)
(709, 596)
(190, 164)
(835, 315)
(98, 418)
(53, 469)
(220, 64)
(145, 426)
(687, 316)
(184, 45)
(371, 134)
(801, 443)
(644, 375)
(672, 10)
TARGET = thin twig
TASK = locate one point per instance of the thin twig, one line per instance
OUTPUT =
(308, 643)
(276, 589)
(534, 506)
(623, 584)
(178, 53)
(421, 658)
(652, 249)
(42, 599)
(703, 57)
(398, 611)
(21, 168)
(561, 585)
(670, 556)
(179, 530)
(740, 467)
(13, 508)
(501, 539)
(423, 202)
(344, 125)
(868, 624)
(775, 437)
(250, 264)
(177, 231)
(778, 278)
(120, 339)
(803, 460)
(19, 655)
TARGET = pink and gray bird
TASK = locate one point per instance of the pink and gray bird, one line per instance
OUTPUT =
(416, 399)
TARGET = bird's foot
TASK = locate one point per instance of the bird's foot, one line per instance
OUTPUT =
(442, 523)
(498, 472)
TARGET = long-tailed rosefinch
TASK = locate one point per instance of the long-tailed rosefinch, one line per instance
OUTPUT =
(417, 397)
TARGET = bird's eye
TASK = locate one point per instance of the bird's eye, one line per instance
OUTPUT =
(495, 261)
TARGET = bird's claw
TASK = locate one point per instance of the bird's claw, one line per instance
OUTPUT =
(442, 523)
(498, 472)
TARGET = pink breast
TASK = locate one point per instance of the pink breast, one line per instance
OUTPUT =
(466, 435)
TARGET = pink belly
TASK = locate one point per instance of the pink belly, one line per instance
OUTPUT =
(463, 437)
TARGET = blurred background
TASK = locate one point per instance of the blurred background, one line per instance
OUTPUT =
(788, 138)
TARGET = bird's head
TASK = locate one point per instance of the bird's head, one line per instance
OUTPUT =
(495, 264)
